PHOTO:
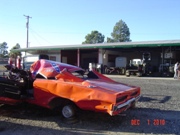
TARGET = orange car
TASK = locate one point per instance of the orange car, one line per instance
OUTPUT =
(53, 84)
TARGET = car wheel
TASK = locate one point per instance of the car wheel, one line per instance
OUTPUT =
(68, 111)
(139, 74)
(127, 73)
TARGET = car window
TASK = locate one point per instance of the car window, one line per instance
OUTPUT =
(85, 75)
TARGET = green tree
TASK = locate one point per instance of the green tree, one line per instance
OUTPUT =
(15, 54)
(110, 40)
(3, 49)
(93, 38)
(120, 33)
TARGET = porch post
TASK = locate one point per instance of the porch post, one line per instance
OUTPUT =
(100, 56)
(78, 57)
(60, 60)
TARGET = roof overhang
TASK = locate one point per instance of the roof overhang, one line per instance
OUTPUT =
(102, 45)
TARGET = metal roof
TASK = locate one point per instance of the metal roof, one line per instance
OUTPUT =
(103, 45)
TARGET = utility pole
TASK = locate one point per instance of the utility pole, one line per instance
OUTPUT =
(27, 26)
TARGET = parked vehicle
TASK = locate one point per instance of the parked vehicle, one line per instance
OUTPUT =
(166, 70)
(65, 87)
(135, 68)
(120, 64)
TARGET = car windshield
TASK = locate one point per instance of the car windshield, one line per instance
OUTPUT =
(85, 74)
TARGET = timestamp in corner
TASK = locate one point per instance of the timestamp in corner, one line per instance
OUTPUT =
(154, 122)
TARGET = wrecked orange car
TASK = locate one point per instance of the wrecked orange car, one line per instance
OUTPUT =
(53, 84)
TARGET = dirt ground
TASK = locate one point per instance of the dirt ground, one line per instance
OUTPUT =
(157, 112)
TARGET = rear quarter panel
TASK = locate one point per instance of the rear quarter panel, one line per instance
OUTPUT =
(83, 96)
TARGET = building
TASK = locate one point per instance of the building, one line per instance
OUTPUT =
(163, 52)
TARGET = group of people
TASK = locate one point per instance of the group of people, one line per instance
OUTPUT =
(177, 71)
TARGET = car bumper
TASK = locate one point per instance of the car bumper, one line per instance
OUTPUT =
(124, 106)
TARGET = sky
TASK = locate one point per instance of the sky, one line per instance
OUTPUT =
(67, 22)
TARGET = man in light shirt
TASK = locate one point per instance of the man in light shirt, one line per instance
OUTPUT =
(175, 70)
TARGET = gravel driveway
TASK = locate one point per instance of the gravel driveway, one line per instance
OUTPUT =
(157, 112)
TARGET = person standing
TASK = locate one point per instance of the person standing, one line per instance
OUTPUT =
(175, 70)
(178, 70)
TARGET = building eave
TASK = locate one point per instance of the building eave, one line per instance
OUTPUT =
(103, 45)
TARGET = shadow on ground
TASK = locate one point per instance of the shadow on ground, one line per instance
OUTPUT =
(89, 122)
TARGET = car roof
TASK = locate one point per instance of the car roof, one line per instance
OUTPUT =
(49, 68)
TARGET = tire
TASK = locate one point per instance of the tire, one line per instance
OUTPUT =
(68, 111)
(128, 73)
(138, 74)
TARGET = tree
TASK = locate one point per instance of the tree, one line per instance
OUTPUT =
(120, 33)
(93, 38)
(110, 40)
(3, 49)
(15, 54)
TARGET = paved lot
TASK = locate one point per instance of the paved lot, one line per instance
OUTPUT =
(157, 112)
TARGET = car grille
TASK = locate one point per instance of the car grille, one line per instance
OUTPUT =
(121, 99)
(134, 93)
(126, 96)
